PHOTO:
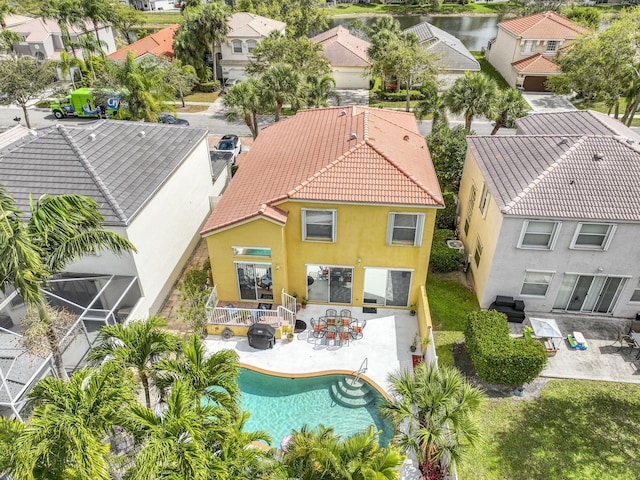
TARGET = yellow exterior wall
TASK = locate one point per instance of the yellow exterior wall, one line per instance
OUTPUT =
(487, 228)
(361, 233)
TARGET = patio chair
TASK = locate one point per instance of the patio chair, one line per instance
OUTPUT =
(345, 312)
(635, 327)
(357, 328)
(331, 312)
(319, 329)
(624, 341)
(344, 337)
(331, 320)
(330, 336)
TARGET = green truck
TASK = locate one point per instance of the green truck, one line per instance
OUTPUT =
(81, 103)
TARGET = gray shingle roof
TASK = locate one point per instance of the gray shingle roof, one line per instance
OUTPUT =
(109, 161)
(542, 176)
(574, 122)
(451, 52)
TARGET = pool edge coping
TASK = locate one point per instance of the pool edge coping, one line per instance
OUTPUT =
(318, 373)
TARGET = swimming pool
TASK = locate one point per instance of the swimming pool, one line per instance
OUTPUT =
(280, 405)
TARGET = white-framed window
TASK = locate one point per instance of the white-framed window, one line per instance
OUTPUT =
(469, 212)
(252, 251)
(319, 225)
(405, 229)
(635, 296)
(477, 255)
(528, 46)
(236, 46)
(539, 234)
(593, 236)
(552, 46)
(251, 44)
(536, 283)
(484, 199)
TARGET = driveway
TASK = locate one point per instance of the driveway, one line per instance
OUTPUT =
(547, 102)
(353, 97)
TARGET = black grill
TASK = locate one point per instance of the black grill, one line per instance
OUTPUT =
(261, 336)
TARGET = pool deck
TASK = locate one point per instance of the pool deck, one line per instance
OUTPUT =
(385, 343)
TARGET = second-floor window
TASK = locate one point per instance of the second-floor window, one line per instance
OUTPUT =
(467, 216)
(551, 46)
(236, 46)
(405, 229)
(528, 46)
(539, 234)
(484, 199)
(593, 236)
(319, 225)
(251, 44)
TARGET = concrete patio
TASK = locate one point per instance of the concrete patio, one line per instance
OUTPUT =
(385, 344)
(603, 359)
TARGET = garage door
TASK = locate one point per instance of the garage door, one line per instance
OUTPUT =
(535, 84)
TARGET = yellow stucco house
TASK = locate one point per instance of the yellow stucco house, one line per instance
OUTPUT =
(336, 205)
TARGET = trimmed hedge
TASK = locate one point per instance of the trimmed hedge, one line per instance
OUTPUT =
(443, 258)
(399, 96)
(208, 86)
(496, 356)
(446, 217)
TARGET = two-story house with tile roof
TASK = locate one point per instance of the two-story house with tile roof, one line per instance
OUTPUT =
(348, 57)
(450, 55)
(336, 204)
(524, 48)
(552, 216)
(155, 45)
(246, 30)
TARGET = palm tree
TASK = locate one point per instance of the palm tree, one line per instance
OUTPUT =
(214, 377)
(97, 11)
(59, 230)
(508, 107)
(244, 100)
(435, 406)
(281, 83)
(209, 26)
(171, 439)
(65, 13)
(90, 46)
(138, 345)
(432, 104)
(319, 90)
(318, 454)
(6, 8)
(66, 65)
(65, 436)
(472, 94)
(8, 39)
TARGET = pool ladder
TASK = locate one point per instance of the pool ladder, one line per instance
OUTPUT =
(350, 391)
(363, 368)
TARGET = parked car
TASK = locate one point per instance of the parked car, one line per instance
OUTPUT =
(222, 155)
(170, 119)
(230, 143)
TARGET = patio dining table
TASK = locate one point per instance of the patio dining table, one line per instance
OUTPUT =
(337, 325)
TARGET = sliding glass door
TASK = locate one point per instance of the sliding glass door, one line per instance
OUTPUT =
(328, 284)
(589, 293)
(386, 287)
(254, 281)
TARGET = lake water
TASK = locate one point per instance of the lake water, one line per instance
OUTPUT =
(474, 32)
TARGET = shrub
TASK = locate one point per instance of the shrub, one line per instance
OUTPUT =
(446, 217)
(208, 86)
(399, 96)
(496, 356)
(43, 104)
(443, 258)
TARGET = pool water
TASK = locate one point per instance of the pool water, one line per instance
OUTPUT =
(279, 405)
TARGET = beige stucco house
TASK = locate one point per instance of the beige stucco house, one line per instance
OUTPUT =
(524, 48)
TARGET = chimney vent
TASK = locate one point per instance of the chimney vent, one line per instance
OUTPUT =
(354, 136)
(564, 141)
(343, 112)
(406, 138)
(92, 137)
(598, 156)
(630, 142)
(142, 134)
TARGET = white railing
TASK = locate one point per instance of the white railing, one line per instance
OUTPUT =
(288, 302)
(235, 316)
(212, 303)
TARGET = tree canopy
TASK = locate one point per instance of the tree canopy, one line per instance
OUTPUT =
(303, 17)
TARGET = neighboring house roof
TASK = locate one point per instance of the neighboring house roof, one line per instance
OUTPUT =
(343, 49)
(536, 64)
(312, 156)
(574, 122)
(244, 24)
(9, 136)
(584, 177)
(546, 25)
(36, 30)
(159, 44)
(451, 53)
(109, 161)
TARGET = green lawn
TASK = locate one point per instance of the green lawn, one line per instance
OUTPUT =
(450, 303)
(161, 18)
(396, 9)
(575, 430)
(202, 97)
(487, 69)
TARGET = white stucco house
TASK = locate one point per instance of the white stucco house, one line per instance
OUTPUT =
(347, 56)
(551, 216)
(246, 30)
(153, 184)
(524, 48)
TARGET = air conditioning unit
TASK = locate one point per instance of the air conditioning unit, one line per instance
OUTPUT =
(456, 245)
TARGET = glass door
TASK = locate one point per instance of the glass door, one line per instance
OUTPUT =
(589, 293)
(254, 281)
(327, 284)
(386, 287)
(580, 292)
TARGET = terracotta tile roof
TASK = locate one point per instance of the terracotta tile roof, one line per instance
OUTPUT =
(247, 25)
(546, 25)
(159, 44)
(312, 156)
(536, 64)
(560, 177)
(343, 49)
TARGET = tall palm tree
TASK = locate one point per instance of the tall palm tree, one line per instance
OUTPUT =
(472, 94)
(214, 377)
(8, 39)
(59, 230)
(138, 345)
(435, 407)
(432, 104)
(244, 100)
(320, 89)
(281, 84)
(508, 107)
(171, 439)
(65, 13)
(91, 47)
(67, 64)
(209, 26)
(65, 435)
(98, 11)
